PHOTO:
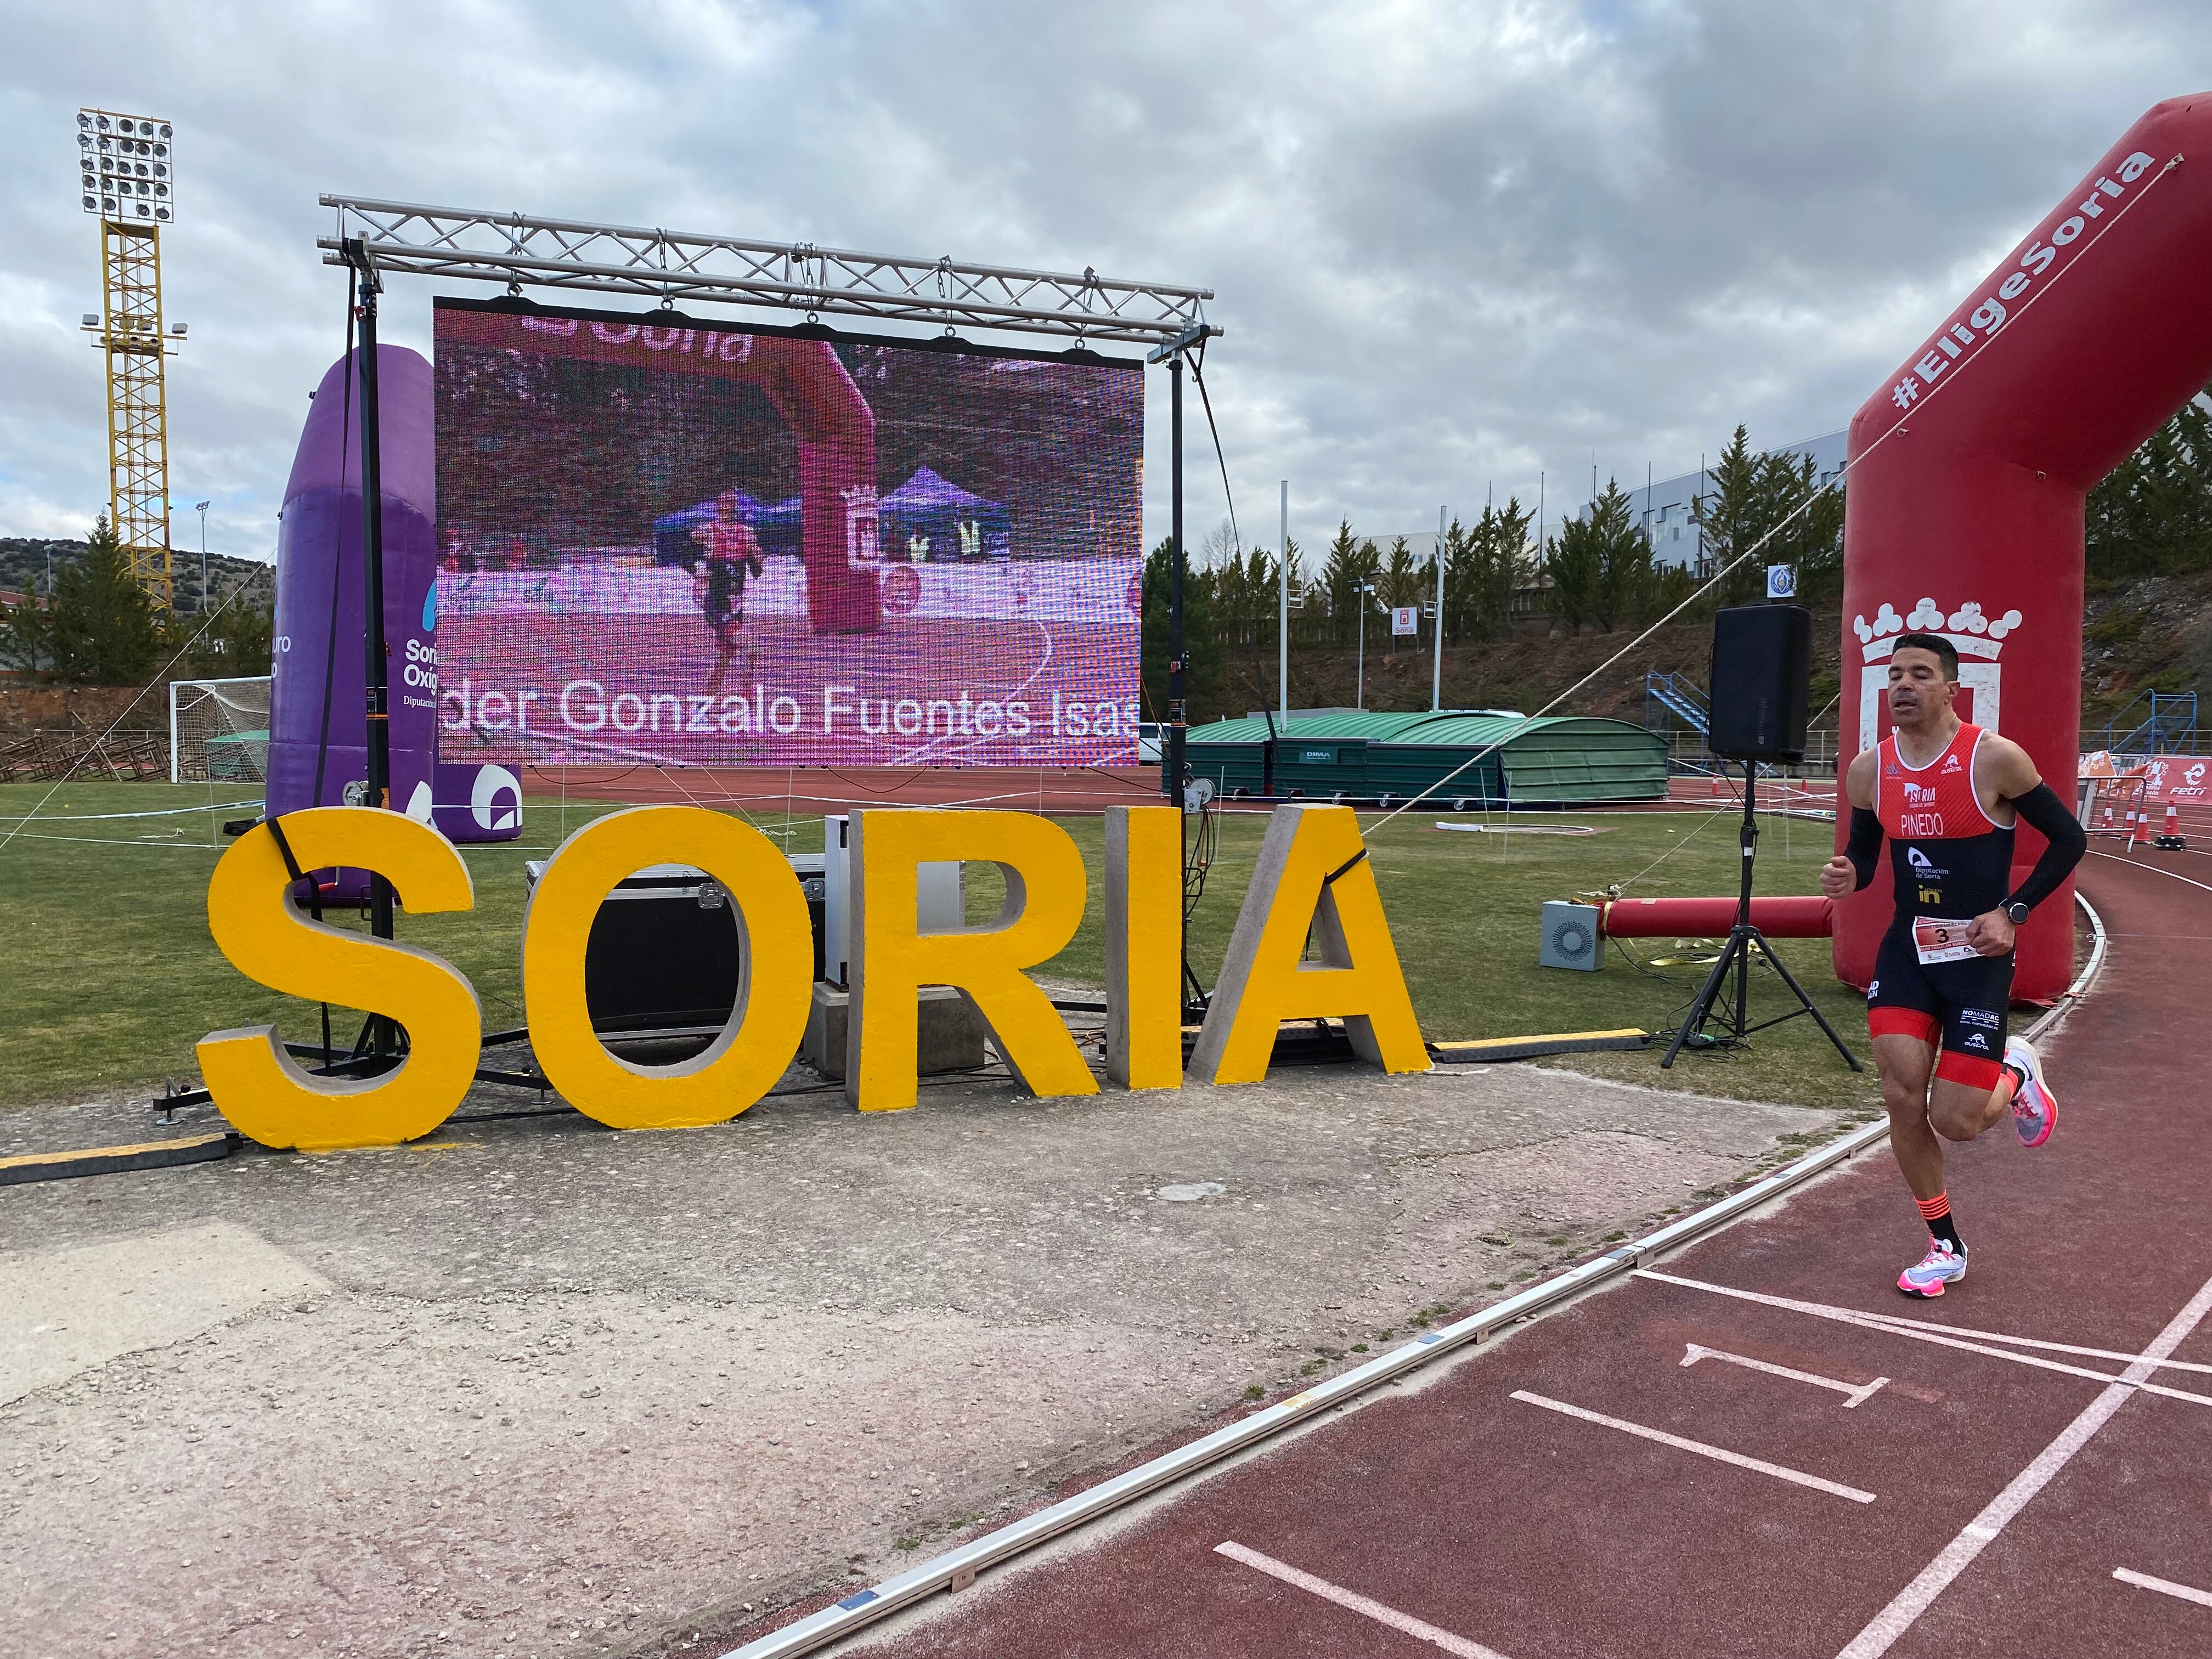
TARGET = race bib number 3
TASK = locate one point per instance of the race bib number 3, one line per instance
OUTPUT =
(1938, 939)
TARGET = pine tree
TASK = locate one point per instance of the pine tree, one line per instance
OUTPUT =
(1753, 493)
(100, 627)
(1570, 561)
(1351, 561)
(2152, 515)
(1400, 581)
(1624, 560)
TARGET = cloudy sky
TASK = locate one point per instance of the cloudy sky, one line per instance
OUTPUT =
(1452, 244)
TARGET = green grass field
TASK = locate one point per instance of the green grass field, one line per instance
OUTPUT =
(111, 976)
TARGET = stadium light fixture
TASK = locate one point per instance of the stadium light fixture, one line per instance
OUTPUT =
(126, 166)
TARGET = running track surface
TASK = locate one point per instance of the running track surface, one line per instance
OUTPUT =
(1520, 1505)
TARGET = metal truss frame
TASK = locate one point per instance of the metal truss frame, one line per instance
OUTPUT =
(676, 267)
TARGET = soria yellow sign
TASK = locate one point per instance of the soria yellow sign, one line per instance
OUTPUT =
(1309, 878)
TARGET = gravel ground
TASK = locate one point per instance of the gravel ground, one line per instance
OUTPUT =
(535, 1387)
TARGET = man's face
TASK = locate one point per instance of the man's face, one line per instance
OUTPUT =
(728, 505)
(1918, 693)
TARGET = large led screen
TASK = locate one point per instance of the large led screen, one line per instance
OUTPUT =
(667, 544)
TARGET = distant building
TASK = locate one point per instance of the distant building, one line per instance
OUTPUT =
(1663, 509)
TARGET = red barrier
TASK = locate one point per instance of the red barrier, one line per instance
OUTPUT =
(1711, 918)
(1964, 512)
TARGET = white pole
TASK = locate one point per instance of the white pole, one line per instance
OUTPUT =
(1437, 675)
(1359, 684)
(1283, 628)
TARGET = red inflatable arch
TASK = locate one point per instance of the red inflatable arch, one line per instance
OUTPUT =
(1963, 514)
(807, 385)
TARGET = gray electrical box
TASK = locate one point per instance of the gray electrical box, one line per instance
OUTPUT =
(1570, 937)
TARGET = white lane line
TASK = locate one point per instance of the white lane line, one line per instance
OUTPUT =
(1720, 1453)
(1854, 1393)
(2035, 1342)
(2163, 1586)
(2152, 868)
(1418, 1629)
(1893, 1620)
(1867, 1322)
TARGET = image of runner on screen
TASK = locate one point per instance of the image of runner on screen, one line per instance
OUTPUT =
(732, 553)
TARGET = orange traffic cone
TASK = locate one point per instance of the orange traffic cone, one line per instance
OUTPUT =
(2142, 837)
(2173, 819)
(2108, 814)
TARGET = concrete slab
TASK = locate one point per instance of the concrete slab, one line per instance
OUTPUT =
(69, 1310)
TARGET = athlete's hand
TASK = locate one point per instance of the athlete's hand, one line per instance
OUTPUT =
(1837, 878)
(1991, 934)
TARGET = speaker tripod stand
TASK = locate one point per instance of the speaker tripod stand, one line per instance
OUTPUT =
(1735, 1024)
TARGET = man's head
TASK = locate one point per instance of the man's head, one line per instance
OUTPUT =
(1924, 679)
(727, 502)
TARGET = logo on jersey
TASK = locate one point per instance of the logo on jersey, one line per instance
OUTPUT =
(1975, 1040)
(1873, 990)
(1979, 1017)
(1951, 765)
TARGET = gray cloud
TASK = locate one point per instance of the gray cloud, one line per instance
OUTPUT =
(1452, 243)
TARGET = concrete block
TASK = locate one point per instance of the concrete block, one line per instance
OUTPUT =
(948, 1038)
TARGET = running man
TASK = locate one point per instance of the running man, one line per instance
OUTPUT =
(1946, 794)
(733, 554)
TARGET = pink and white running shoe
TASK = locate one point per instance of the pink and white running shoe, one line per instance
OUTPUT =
(2034, 1108)
(1942, 1265)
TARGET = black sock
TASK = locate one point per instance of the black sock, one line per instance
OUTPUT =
(1936, 1212)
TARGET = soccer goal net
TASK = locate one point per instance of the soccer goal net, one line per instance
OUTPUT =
(219, 730)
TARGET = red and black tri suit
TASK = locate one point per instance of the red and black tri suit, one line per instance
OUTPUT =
(1951, 862)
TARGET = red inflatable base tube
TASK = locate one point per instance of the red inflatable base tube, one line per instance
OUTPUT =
(1709, 918)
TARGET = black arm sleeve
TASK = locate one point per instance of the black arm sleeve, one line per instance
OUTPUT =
(1864, 847)
(2047, 814)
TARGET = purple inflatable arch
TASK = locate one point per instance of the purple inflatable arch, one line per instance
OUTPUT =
(318, 723)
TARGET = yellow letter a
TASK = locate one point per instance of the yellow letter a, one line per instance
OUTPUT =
(1262, 982)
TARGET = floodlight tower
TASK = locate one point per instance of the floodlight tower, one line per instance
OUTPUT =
(127, 180)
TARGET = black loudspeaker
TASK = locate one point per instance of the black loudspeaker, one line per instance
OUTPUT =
(1762, 682)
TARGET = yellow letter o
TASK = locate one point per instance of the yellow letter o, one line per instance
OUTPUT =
(774, 984)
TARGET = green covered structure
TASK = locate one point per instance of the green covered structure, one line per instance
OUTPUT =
(1559, 760)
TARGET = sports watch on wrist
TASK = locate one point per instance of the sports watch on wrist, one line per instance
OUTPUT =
(2016, 910)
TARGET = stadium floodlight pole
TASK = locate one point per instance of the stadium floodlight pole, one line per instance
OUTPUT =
(1437, 676)
(1283, 628)
(372, 575)
(201, 507)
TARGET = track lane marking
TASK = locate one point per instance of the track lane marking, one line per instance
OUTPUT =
(2163, 1586)
(2120, 1354)
(1855, 1394)
(1419, 1630)
(2152, 868)
(1867, 1322)
(1719, 1454)
(1932, 1580)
